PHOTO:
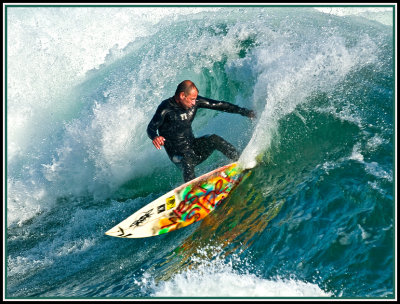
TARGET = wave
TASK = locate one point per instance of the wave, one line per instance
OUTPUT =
(84, 83)
(80, 115)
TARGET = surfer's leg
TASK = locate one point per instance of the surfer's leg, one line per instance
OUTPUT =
(188, 171)
(206, 145)
(186, 163)
(189, 161)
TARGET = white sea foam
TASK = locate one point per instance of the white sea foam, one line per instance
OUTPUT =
(356, 153)
(286, 78)
(364, 234)
(376, 169)
(22, 266)
(383, 15)
(75, 246)
(375, 142)
(25, 201)
(372, 168)
(217, 277)
(230, 284)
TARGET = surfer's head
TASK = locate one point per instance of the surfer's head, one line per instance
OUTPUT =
(186, 94)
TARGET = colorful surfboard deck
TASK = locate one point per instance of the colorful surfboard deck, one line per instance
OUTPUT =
(188, 203)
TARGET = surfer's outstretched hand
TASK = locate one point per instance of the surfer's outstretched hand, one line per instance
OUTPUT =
(252, 114)
(158, 142)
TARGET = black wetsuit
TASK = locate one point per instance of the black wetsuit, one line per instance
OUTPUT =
(174, 123)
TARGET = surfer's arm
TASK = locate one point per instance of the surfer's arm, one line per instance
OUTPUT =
(153, 126)
(224, 106)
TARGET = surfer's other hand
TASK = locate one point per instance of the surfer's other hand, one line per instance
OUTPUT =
(158, 142)
(251, 114)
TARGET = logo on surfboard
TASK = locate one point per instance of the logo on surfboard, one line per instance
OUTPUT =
(142, 218)
(171, 202)
(161, 208)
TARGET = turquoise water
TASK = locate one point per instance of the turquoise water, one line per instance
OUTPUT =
(316, 217)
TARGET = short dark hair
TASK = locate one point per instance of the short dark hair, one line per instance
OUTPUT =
(185, 86)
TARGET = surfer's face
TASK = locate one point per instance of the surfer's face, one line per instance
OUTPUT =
(188, 101)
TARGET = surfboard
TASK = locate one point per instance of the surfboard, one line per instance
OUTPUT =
(184, 205)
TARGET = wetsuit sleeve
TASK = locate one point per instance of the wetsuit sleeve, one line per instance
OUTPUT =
(224, 106)
(155, 123)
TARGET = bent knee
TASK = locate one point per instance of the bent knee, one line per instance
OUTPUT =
(215, 137)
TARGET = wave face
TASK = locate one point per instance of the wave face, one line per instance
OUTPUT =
(314, 219)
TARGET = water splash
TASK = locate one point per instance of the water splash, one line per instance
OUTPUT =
(212, 275)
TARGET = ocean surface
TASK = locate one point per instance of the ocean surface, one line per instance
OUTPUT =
(316, 218)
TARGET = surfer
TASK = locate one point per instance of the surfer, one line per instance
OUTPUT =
(173, 122)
